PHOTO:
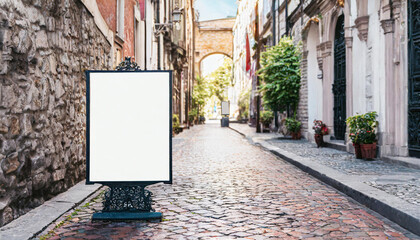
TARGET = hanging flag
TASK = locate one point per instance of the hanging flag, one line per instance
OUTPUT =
(248, 54)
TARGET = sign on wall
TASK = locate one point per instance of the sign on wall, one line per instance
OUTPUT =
(225, 108)
(129, 127)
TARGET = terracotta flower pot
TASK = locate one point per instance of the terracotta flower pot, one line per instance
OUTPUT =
(319, 139)
(296, 135)
(368, 150)
(357, 150)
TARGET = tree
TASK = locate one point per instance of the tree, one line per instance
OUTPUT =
(280, 72)
(220, 79)
(243, 103)
(200, 94)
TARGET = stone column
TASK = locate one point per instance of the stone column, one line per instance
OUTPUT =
(349, 68)
(393, 140)
(387, 138)
(400, 82)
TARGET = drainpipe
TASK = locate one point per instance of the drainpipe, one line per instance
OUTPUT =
(273, 27)
(145, 35)
(273, 18)
(287, 16)
(158, 45)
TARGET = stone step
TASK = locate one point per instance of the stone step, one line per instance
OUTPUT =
(336, 144)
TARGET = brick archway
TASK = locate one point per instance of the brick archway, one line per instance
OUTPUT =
(213, 37)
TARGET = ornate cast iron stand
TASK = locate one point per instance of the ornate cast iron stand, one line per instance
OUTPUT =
(131, 202)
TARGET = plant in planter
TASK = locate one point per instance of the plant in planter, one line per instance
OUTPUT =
(353, 125)
(320, 130)
(293, 126)
(192, 116)
(267, 118)
(367, 135)
(363, 134)
(175, 124)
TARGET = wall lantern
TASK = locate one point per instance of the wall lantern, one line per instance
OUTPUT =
(165, 27)
(176, 15)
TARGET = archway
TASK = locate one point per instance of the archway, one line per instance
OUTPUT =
(214, 58)
(213, 37)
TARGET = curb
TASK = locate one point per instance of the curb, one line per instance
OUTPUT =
(37, 220)
(401, 217)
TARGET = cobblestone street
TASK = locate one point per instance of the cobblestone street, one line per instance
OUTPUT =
(225, 187)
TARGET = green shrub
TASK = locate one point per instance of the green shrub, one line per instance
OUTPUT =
(192, 115)
(293, 125)
(245, 114)
(175, 123)
(267, 117)
(362, 128)
(243, 103)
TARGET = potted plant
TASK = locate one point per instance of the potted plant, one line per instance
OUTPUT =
(320, 130)
(362, 130)
(293, 126)
(367, 135)
(192, 116)
(266, 119)
(353, 125)
(175, 124)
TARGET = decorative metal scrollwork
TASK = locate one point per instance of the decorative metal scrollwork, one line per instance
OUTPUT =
(128, 65)
(127, 198)
(414, 77)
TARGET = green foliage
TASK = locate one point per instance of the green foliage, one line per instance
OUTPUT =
(192, 115)
(293, 125)
(175, 123)
(244, 114)
(280, 72)
(267, 117)
(220, 79)
(200, 94)
(243, 103)
(362, 128)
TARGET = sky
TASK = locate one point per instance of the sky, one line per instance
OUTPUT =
(215, 9)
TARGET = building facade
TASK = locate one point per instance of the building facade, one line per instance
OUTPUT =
(359, 56)
(46, 46)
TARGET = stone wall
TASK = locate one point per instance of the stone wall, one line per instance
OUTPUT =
(45, 46)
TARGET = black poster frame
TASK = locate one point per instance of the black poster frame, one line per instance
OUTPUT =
(88, 107)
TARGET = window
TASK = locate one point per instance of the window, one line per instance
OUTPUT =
(120, 19)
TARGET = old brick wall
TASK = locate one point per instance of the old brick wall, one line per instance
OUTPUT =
(45, 46)
(211, 37)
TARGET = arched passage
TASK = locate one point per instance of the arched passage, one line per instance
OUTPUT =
(213, 37)
(214, 59)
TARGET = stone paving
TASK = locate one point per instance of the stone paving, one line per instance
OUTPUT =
(226, 188)
(406, 187)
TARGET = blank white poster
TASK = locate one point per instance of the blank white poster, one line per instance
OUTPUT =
(225, 108)
(129, 125)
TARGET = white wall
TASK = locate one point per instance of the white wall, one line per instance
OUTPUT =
(376, 41)
(314, 84)
(359, 75)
